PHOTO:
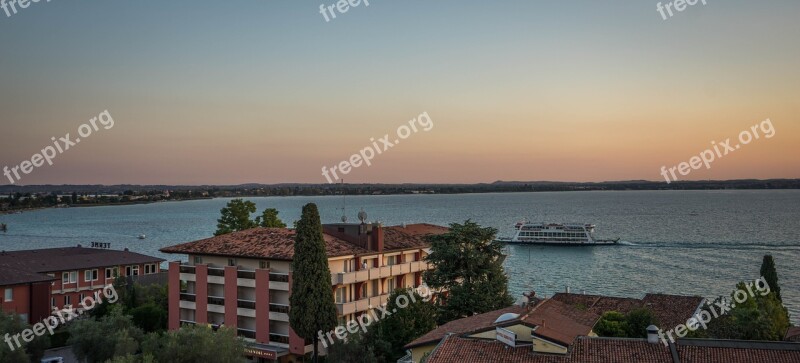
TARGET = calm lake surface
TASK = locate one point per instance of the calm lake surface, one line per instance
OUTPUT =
(680, 242)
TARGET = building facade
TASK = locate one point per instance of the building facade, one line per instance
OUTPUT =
(243, 279)
(45, 279)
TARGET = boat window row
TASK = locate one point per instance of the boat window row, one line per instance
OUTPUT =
(552, 234)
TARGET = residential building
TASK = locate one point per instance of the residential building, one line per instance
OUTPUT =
(34, 282)
(243, 279)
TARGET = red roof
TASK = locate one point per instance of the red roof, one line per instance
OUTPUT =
(278, 243)
(670, 310)
(793, 334)
(456, 349)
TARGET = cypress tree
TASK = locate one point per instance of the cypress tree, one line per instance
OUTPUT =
(769, 273)
(312, 307)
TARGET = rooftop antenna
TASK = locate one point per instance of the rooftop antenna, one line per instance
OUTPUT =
(344, 203)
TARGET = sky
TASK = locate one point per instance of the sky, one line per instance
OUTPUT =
(230, 92)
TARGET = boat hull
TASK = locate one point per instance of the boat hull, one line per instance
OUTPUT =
(608, 242)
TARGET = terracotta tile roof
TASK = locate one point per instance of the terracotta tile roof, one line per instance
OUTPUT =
(793, 334)
(465, 325)
(10, 276)
(410, 236)
(619, 350)
(670, 310)
(554, 321)
(268, 243)
(455, 349)
(70, 258)
(559, 322)
(737, 351)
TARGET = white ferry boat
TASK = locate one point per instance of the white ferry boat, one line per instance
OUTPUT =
(567, 234)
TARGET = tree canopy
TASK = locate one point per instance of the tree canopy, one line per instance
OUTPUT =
(236, 217)
(468, 263)
(269, 219)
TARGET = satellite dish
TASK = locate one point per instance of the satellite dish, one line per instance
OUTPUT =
(362, 216)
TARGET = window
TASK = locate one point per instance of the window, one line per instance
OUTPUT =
(69, 277)
(9, 295)
(90, 275)
(81, 297)
(53, 302)
(231, 262)
(391, 260)
(263, 264)
(112, 272)
(341, 295)
(132, 270)
(67, 300)
(150, 268)
(198, 260)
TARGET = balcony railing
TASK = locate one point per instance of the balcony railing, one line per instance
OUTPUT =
(187, 269)
(279, 308)
(188, 297)
(247, 304)
(279, 338)
(213, 271)
(214, 300)
(247, 333)
(279, 277)
(187, 323)
(246, 274)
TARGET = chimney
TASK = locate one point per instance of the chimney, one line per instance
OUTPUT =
(652, 334)
(377, 233)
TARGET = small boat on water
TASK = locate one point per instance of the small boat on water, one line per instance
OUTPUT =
(3, 227)
(141, 236)
(556, 234)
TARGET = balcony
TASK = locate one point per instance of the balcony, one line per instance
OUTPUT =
(279, 338)
(188, 297)
(279, 308)
(278, 277)
(247, 333)
(345, 308)
(185, 269)
(247, 304)
(417, 266)
(245, 274)
(376, 301)
(214, 271)
(215, 300)
(400, 269)
(384, 271)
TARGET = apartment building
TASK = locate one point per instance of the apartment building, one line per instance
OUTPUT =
(243, 279)
(33, 282)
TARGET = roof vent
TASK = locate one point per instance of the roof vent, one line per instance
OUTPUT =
(652, 334)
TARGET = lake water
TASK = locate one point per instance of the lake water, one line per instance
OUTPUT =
(680, 242)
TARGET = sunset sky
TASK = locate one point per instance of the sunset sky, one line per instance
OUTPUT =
(230, 92)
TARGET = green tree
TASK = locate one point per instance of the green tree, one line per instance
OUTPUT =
(760, 317)
(637, 322)
(236, 217)
(612, 324)
(468, 263)
(192, 344)
(770, 274)
(103, 339)
(269, 219)
(354, 350)
(33, 351)
(149, 317)
(313, 309)
(417, 318)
